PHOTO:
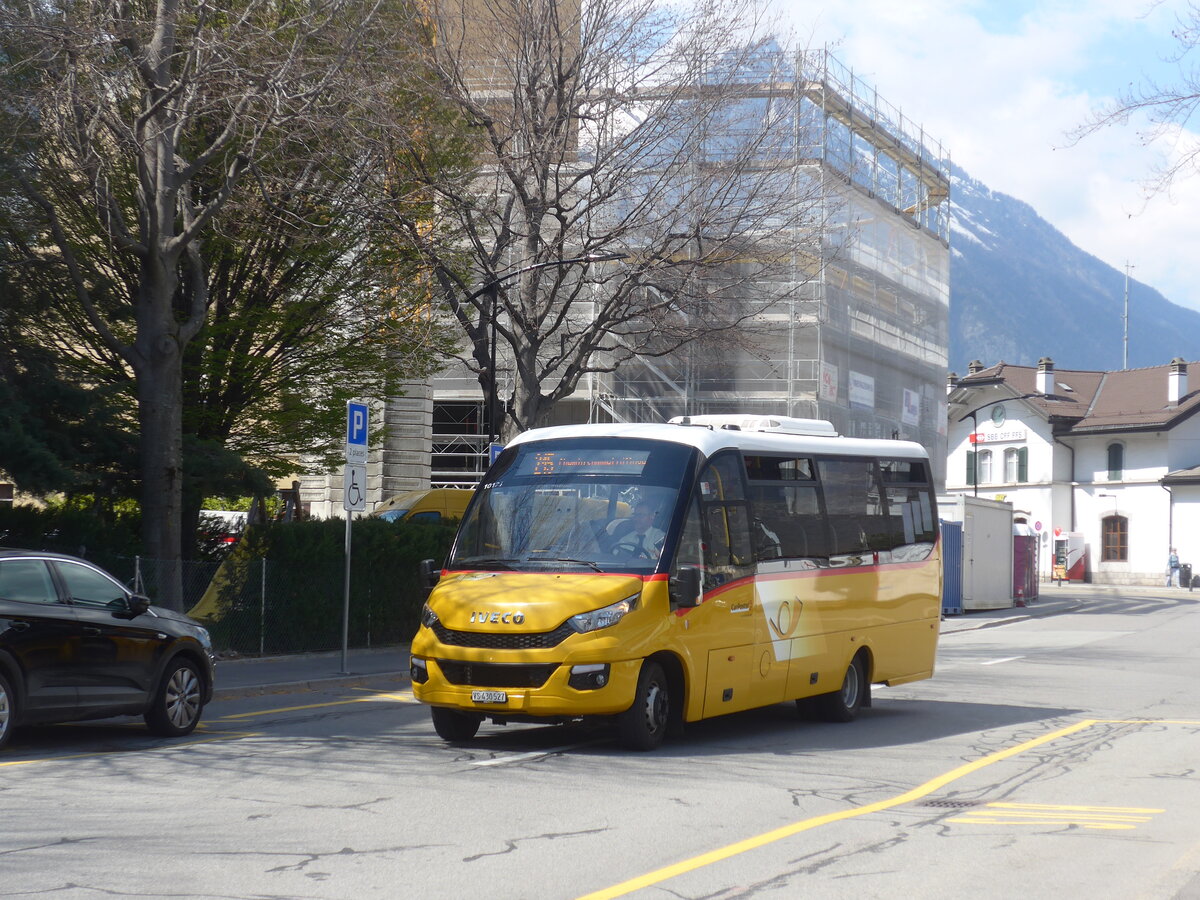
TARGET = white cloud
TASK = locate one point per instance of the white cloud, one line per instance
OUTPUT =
(1001, 84)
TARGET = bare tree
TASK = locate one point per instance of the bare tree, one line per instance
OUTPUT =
(1166, 110)
(130, 126)
(617, 128)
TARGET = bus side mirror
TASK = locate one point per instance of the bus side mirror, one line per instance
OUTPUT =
(685, 587)
(430, 573)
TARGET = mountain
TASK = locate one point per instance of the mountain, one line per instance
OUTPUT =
(1019, 290)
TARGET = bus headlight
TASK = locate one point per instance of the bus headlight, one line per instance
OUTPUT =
(428, 616)
(602, 618)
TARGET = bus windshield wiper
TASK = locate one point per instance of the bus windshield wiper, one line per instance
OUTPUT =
(484, 562)
(568, 559)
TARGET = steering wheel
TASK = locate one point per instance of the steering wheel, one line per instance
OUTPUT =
(633, 551)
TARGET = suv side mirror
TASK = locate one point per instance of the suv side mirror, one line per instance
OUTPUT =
(430, 573)
(685, 587)
(135, 605)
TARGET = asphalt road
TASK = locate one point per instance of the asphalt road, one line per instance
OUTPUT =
(1049, 757)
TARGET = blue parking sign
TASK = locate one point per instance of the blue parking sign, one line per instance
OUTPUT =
(357, 420)
(356, 423)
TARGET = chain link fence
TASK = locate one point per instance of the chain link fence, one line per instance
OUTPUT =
(280, 589)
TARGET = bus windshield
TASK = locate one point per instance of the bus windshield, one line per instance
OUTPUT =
(599, 504)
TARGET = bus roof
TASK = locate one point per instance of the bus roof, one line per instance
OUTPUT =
(709, 438)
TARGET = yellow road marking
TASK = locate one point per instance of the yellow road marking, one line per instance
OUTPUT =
(1098, 817)
(400, 697)
(770, 837)
(1008, 823)
(1058, 807)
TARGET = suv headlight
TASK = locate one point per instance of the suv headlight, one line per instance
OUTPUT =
(428, 616)
(602, 618)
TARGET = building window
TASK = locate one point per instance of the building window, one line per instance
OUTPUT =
(985, 466)
(1115, 546)
(1016, 465)
(1116, 461)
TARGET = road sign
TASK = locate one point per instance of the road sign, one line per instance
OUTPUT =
(354, 488)
(494, 450)
(357, 419)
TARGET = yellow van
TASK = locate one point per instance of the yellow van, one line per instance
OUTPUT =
(435, 505)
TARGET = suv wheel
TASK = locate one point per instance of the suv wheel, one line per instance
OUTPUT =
(175, 709)
(8, 710)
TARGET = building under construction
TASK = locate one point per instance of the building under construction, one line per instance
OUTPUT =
(861, 340)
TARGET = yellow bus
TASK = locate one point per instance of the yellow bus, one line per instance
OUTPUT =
(744, 561)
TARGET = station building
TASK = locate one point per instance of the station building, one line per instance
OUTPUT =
(1103, 466)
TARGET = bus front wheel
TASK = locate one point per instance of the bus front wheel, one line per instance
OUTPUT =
(644, 724)
(843, 704)
(453, 726)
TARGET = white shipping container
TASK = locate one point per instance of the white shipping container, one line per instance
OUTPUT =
(987, 566)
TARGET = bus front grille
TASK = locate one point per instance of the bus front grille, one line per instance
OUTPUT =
(495, 675)
(491, 640)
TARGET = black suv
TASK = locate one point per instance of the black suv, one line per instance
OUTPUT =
(75, 644)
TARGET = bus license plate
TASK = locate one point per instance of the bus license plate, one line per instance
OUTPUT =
(489, 697)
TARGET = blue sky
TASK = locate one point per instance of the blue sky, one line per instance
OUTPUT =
(1000, 84)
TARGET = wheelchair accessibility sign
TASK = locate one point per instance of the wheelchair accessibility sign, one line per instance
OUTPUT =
(354, 488)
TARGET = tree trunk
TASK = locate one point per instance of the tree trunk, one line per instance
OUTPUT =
(160, 414)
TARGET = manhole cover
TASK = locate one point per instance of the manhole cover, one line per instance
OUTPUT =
(952, 804)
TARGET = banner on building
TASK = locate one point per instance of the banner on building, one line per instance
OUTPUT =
(911, 413)
(862, 390)
(829, 382)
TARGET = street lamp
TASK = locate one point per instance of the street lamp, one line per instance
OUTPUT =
(491, 288)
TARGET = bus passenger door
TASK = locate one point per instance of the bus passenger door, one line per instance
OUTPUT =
(726, 617)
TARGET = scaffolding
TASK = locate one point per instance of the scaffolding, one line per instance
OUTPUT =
(861, 338)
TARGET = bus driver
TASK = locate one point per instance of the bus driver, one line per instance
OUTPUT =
(637, 536)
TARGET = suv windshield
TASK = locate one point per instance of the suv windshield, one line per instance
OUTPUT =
(603, 504)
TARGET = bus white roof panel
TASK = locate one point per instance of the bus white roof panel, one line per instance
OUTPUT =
(709, 440)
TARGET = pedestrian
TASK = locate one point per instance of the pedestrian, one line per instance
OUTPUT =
(1173, 569)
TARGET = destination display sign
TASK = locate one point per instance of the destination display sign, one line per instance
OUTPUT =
(588, 462)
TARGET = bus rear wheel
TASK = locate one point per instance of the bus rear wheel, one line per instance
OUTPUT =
(644, 725)
(843, 704)
(453, 726)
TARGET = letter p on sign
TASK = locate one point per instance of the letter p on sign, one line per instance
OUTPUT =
(357, 420)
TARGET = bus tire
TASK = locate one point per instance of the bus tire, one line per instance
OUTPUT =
(644, 725)
(453, 726)
(843, 704)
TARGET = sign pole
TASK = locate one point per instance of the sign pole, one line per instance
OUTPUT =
(346, 600)
(354, 499)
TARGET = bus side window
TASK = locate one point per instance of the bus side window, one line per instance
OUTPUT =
(911, 506)
(716, 532)
(726, 521)
(854, 501)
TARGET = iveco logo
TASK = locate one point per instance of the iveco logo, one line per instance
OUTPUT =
(508, 618)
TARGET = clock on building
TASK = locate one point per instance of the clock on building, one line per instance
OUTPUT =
(998, 414)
